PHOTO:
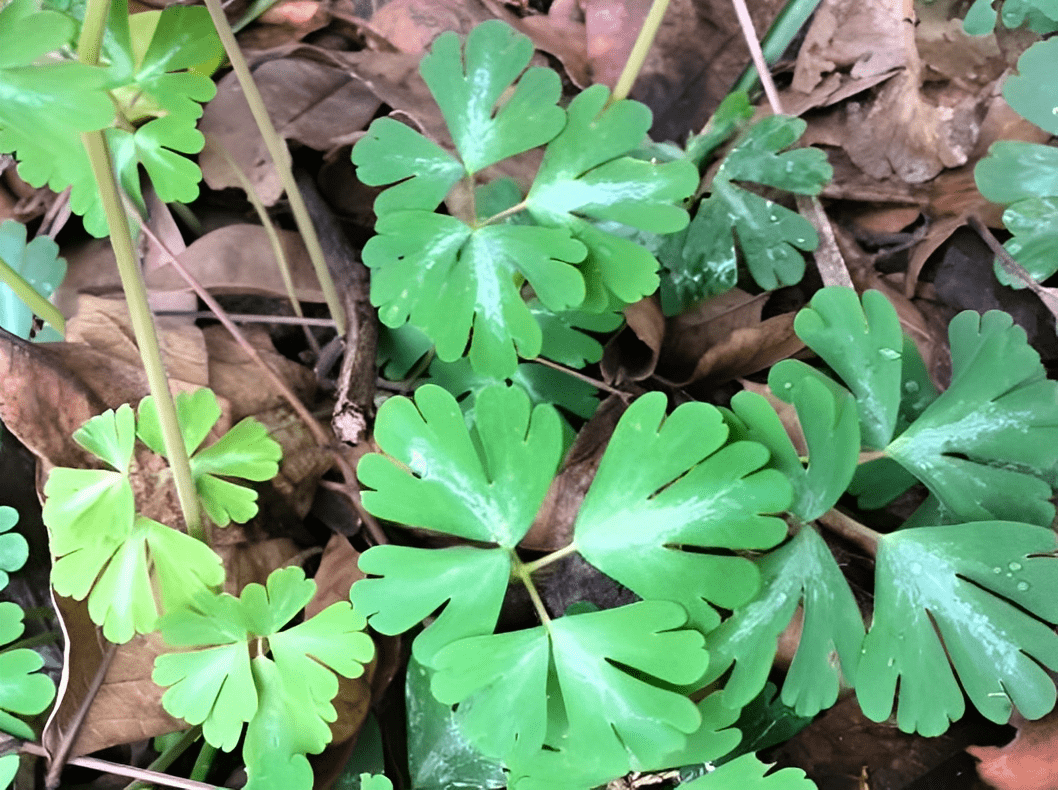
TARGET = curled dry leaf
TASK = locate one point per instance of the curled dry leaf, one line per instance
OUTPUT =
(1029, 762)
(632, 354)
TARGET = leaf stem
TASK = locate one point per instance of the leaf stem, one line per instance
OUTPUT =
(105, 766)
(281, 159)
(169, 756)
(504, 214)
(852, 530)
(135, 291)
(870, 455)
(29, 295)
(521, 571)
(638, 55)
(547, 559)
(749, 33)
(46, 638)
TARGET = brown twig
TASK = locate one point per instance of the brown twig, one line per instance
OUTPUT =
(248, 318)
(1014, 270)
(142, 774)
(852, 530)
(58, 760)
(599, 384)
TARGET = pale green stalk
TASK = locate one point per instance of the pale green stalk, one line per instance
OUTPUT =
(281, 159)
(28, 294)
(132, 283)
(638, 55)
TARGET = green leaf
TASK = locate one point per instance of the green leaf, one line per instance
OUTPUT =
(375, 782)
(980, 19)
(565, 338)
(438, 479)
(961, 593)
(801, 572)
(8, 769)
(733, 111)
(864, 347)
(1031, 91)
(607, 665)
(468, 90)
(389, 152)
(286, 699)
(828, 420)
(749, 773)
(587, 175)
(448, 279)
(14, 551)
(769, 235)
(1033, 223)
(663, 486)
(984, 448)
(39, 264)
(246, 451)
(1015, 170)
(23, 691)
(439, 755)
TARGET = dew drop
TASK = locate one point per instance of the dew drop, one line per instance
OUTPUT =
(1023, 586)
(800, 241)
(916, 568)
(788, 385)
(911, 387)
(997, 570)
(889, 353)
(890, 662)
(1015, 566)
(773, 218)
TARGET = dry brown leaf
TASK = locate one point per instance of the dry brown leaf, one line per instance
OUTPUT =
(1029, 762)
(239, 259)
(632, 354)
(314, 104)
(337, 573)
(707, 324)
(411, 25)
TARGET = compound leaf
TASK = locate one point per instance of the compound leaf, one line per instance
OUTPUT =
(961, 593)
(439, 480)
(219, 686)
(1030, 92)
(769, 235)
(14, 550)
(467, 91)
(749, 773)
(587, 174)
(1033, 223)
(23, 690)
(1015, 170)
(984, 448)
(38, 263)
(469, 582)
(864, 347)
(662, 486)
(802, 571)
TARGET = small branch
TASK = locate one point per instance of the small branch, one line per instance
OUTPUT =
(143, 774)
(852, 530)
(169, 756)
(247, 318)
(755, 53)
(1014, 270)
(547, 559)
(58, 760)
(280, 159)
(638, 55)
(578, 375)
(31, 298)
(870, 455)
(504, 214)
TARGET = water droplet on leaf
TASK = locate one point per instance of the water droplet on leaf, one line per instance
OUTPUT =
(889, 353)
(911, 387)
(1023, 586)
(1015, 566)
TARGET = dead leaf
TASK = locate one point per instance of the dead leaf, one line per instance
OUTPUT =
(238, 259)
(337, 573)
(412, 25)
(311, 103)
(632, 354)
(1029, 762)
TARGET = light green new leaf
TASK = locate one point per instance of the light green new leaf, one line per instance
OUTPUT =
(92, 510)
(375, 782)
(606, 664)
(1031, 92)
(664, 486)
(219, 688)
(828, 419)
(863, 346)
(8, 769)
(587, 175)
(246, 451)
(1034, 225)
(14, 551)
(987, 588)
(468, 89)
(769, 235)
(802, 571)
(749, 773)
(448, 279)
(38, 263)
(468, 582)
(391, 151)
(23, 690)
(1015, 170)
(439, 481)
(985, 447)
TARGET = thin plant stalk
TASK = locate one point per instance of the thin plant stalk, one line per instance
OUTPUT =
(281, 159)
(638, 55)
(33, 300)
(749, 33)
(135, 291)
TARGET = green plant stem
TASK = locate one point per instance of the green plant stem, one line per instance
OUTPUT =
(521, 572)
(135, 292)
(28, 294)
(547, 559)
(852, 530)
(749, 33)
(870, 455)
(169, 756)
(203, 762)
(47, 638)
(504, 214)
(281, 159)
(638, 55)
